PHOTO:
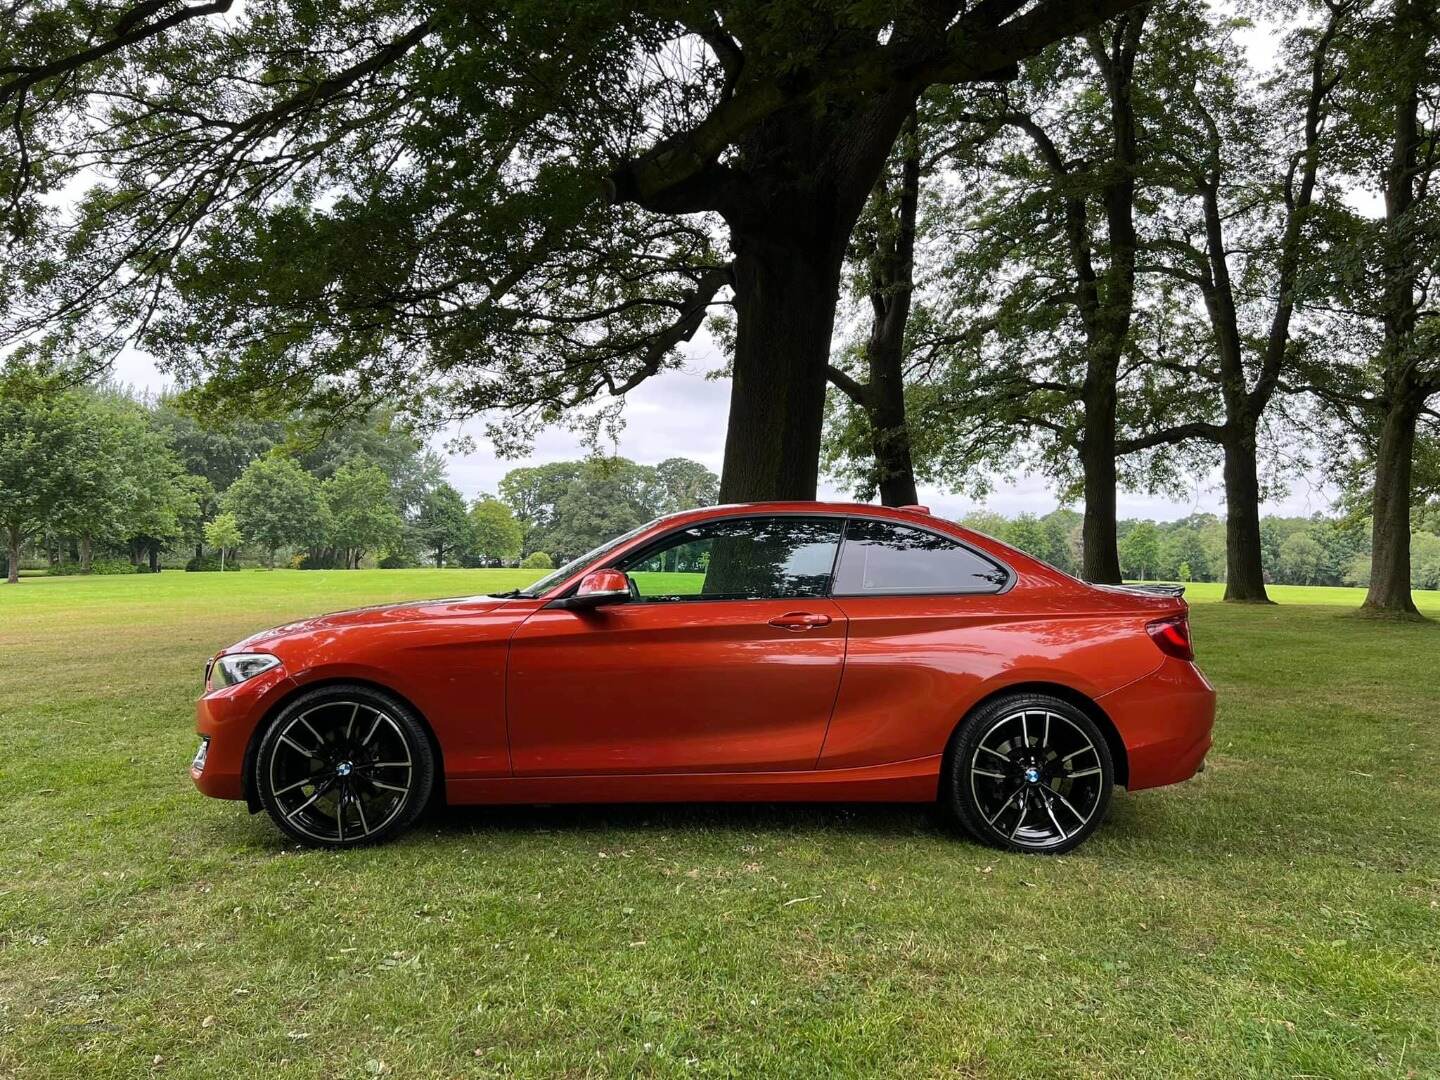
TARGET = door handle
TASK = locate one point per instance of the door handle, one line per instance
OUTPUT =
(798, 621)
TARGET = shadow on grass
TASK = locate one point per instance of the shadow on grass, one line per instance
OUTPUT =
(870, 819)
(1129, 821)
(1384, 615)
(1132, 817)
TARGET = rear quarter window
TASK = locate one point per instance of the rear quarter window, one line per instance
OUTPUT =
(882, 558)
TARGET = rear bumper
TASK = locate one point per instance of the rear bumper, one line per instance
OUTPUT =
(228, 718)
(1165, 721)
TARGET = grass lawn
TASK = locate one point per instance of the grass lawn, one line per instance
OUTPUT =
(1278, 916)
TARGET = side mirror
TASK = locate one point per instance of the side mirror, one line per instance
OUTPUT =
(597, 589)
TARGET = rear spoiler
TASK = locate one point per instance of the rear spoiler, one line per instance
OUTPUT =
(1176, 591)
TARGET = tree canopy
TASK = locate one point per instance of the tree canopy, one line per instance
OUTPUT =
(276, 503)
(569, 507)
(443, 525)
(359, 514)
(43, 441)
(519, 207)
(90, 469)
(497, 534)
(1146, 254)
(223, 533)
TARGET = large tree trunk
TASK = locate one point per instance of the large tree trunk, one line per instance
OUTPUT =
(87, 552)
(1100, 558)
(1389, 591)
(13, 575)
(891, 293)
(1244, 569)
(785, 297)
(155, 558)
(890, 442)
(1244, 562)
(806, 178)
(882, 399)
(1106, 301)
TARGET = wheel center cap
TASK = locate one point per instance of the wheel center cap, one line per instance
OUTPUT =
(344, 768)
(1032, 775)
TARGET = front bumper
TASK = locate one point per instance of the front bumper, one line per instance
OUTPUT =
(228, 718)
(1165, 721)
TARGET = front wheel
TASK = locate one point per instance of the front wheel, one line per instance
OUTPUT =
(344, 765)
(1029, 772)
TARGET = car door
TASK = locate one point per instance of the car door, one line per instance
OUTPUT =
(727, 659)
(929, 619)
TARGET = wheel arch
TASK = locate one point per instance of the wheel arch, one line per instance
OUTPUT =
(1086, 704)
(247, 771)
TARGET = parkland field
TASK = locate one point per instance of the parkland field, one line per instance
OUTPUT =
(1277, 916)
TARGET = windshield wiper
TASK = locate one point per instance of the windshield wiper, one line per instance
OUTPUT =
(514, 594)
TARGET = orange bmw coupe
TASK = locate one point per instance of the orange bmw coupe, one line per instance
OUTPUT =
(764, 652)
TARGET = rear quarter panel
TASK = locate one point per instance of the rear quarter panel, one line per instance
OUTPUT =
(916, 665)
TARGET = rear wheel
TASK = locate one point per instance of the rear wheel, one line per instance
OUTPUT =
(1029, 772)
(344, 765)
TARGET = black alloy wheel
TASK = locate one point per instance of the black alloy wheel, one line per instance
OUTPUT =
(344, 765)
(1029, 773)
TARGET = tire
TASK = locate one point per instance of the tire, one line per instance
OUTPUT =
(1029, 773)
(343, 766)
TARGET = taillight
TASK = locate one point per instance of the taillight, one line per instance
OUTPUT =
(1172, 636)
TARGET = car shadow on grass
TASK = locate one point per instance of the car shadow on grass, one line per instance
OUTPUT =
(1129, 821)
(1127, 816)
(868, 819)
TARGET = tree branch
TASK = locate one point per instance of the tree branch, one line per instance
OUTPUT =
(130, 29)
(692, 317)
(1171, 435)
(972, 51)
(851, 387)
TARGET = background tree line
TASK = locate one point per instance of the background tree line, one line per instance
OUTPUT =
(1092, 239)
(92, 479)
(1317, 550)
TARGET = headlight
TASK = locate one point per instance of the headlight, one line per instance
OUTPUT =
(237, 667)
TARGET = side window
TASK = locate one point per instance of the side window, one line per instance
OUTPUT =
(881, 558)
(739, 558)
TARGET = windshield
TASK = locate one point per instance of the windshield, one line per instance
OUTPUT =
(550, 580)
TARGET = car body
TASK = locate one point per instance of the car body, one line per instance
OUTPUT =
(772, 651)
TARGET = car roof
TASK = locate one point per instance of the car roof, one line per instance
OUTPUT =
(811, 506)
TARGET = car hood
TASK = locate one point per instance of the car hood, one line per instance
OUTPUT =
(380, 615)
